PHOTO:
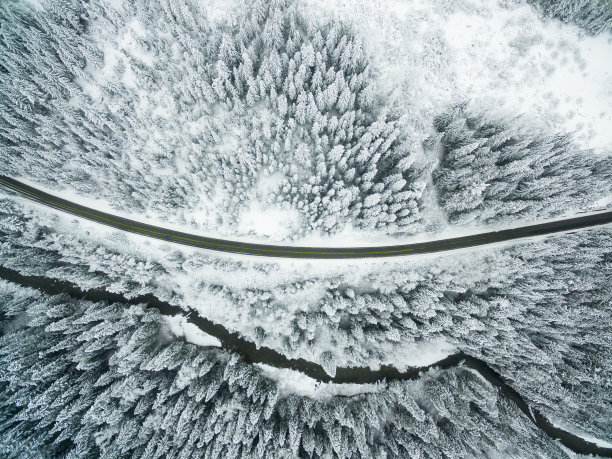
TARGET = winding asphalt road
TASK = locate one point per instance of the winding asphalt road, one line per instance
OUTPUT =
(268, 250)
(254, 354)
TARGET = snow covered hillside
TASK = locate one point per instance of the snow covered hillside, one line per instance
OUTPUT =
(318, 123)
(288, 119)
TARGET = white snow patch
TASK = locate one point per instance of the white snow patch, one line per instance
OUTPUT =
(179, 327)
(261, 218)
(273, 222)
(116, 4)
(427, 54)
(36, 4)
(219, 11)
(185, 376)
(269, 183)
(554, 73)
(112, 55)
(138, 28)
(294, 382)
(561, 424)
(421, 354)
(347, 237)
(113, 48)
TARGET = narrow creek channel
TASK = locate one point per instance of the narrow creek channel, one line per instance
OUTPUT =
(360, 375)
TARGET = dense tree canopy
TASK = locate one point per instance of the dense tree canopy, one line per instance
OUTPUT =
(496, 171)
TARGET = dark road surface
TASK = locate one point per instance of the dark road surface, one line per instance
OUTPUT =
(267, 250)
(251, 353)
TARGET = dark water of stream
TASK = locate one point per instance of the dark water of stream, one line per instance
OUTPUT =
(234, 342)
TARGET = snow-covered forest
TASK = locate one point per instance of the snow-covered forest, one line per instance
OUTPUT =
(265, 113)
(83, 379)
(594, 16)
(494, 171)
(196, 118)
(351, 316)
(315, 122)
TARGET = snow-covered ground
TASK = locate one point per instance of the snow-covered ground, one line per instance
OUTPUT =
(422, 354)
(180, 327)
(193, 285)
(295, 382)
(424, 56)
(431, 53)
(559, 423)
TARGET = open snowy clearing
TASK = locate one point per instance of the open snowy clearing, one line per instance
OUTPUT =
(429, 54)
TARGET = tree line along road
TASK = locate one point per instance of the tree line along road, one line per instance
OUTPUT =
(287, 251)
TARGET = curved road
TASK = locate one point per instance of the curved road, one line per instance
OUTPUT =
(246, 248)
(254, 354)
